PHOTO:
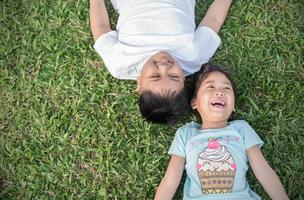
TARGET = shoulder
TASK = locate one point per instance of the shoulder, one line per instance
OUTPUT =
(250, 137)
(190, 125)
(188, 130)
(105, 41)
(205, 31)
(239, 124)
(206, 41)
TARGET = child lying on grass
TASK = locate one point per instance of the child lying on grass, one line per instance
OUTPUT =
(156, 43)
(215, 153)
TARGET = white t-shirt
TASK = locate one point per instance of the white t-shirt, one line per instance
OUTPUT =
(146, 27)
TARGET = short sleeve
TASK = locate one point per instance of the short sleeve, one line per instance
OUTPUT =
(106, 47)
(178, 146)
(249, 135)
(105, 42)
(207, 42)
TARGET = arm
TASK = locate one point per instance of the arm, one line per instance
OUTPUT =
(265, 174)
(170, 182)
(99, 19)
(216, 14)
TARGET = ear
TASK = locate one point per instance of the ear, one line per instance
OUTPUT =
(138, 83)
(193, 103)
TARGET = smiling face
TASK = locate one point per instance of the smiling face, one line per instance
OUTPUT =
(161, 74)
(214, 100)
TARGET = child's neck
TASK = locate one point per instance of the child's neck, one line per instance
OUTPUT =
(214, 125)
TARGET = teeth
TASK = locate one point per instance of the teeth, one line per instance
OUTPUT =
(218, 103)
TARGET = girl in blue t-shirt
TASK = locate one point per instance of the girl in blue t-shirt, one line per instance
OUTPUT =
(215, 153)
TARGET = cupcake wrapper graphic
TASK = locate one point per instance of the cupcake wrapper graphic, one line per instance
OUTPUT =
(214, 182)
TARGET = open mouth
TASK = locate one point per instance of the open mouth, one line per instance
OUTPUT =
(165, 59)
(165, 62)
(218, 104)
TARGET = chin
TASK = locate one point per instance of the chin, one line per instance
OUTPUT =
(220, 117)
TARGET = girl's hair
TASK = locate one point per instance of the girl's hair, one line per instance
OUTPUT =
(209, 68)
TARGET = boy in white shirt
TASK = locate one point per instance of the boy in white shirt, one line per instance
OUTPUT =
(156, 43)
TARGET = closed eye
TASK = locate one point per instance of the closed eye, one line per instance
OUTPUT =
(174, 77)
(228, 88)
(154, 76)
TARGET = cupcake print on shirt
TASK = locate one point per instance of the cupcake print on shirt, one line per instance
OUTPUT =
(216, 168)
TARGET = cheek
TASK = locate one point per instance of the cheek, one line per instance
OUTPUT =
(202, 103)
(232, 100)
(178, 69)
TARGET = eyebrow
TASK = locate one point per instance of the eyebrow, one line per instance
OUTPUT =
(225, 82)
(169, 92)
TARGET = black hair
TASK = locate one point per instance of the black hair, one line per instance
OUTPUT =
(209, 68)
(168, 108)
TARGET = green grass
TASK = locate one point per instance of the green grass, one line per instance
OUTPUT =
(68, 130)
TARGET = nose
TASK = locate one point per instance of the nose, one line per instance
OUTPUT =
(219, 93)
(164, 64)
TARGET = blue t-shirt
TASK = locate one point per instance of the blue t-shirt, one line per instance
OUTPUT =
(216, 160)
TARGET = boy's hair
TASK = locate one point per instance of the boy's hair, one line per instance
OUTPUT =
(209, 68)
(168, 108)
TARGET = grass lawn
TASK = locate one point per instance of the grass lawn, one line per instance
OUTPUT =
(68, 130)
